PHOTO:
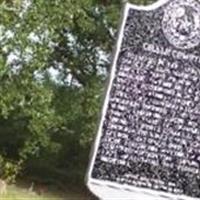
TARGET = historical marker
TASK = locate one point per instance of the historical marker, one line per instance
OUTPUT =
(148, 143)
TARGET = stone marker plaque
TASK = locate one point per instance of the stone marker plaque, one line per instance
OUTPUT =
(148, 142)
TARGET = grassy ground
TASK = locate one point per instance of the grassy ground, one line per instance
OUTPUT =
(16, 193)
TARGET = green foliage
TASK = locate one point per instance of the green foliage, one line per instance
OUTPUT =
(54, 58)
(9, 169)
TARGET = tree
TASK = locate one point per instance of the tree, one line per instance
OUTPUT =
(54, 59)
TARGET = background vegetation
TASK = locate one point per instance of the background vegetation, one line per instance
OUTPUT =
(54, 59)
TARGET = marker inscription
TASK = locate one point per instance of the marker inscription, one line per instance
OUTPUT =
(150, 135)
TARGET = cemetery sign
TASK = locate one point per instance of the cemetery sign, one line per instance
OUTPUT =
(148, 141)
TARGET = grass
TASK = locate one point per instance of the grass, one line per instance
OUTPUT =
(16, 193)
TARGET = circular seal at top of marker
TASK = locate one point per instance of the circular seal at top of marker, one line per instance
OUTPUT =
(181, 23)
